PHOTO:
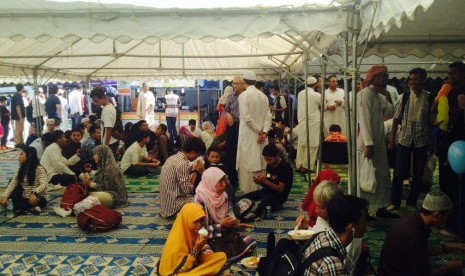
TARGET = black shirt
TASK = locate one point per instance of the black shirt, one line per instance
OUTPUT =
(281, 173)
(405, 250)
(51, 106)
(5, 115)
(17, 100)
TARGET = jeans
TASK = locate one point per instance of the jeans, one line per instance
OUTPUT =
(402, 171)
(171, 124)
(76, 119)
(6, 131)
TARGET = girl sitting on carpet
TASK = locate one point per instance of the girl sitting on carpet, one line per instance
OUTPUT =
(28, 188)
(220, 220)
(108, 180)
(184, 252)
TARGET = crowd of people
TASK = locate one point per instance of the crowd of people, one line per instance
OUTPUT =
(205, 172)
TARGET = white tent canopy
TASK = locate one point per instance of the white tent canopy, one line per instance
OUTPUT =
(75, 40)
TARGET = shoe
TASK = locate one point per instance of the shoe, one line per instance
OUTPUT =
(35, 210)
(410, 208)
(392, 207)
(383, 213)
(448, 234)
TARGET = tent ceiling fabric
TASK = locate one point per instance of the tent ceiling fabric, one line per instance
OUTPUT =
(75, 40)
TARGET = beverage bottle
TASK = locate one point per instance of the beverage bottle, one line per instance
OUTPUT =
(9, 209)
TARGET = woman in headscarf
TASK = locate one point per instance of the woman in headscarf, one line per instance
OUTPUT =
(221, 222)
(108, 180)
(28, 188)
(184, 252)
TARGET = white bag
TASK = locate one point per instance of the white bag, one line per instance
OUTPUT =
(85, 204)
(429, 170)
(367, 176)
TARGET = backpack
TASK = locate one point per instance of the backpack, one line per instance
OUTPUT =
(99, 218)
(247, 210)
(286, 258)
(72, 195)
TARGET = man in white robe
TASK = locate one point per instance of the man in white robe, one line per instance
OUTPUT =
(372, 107)
(334, 106)
(254, 123)
(313, 121)
(146, 106)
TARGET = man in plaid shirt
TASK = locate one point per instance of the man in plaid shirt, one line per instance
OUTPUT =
(347, 217)
(413, 115)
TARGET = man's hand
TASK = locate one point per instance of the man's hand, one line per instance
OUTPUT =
(455, 248)
(199, 167)
(230, 119)
(33, 200)
(262, 137)
(4, 201)
(369, 152)
(259, 179)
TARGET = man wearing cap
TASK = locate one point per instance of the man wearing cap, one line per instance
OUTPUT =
(406, 249)
(75, 106)
(309, 100)
(372, 109)
(146, 105)
(254, 123)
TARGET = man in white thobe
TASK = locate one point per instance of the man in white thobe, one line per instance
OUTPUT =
(313, 103)
(372, 107)
(75, 106)
(146, 105)
(254, 123)
(334, 106)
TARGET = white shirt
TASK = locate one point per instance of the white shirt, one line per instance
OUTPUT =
(41, 102)
(74, 102)
(172, 101)
(55, 163)
(37, 144)
(336, 116)
(145, 104)
(393, 93)
(196, 133)
(108, 120)
(133, 155)
(207, 138)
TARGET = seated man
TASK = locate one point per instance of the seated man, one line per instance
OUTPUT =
(164, 146)
(177, 178)
(335, 135)
(276, 182)
(193, 129)
(136, 161)
(50, 126)
(40, 144)
(347, 220)
(88, 145)
(406, 249)
(56, 165)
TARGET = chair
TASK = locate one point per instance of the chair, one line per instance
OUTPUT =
(334, 153)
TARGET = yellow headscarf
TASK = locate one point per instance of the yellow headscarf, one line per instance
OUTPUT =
(181, 239)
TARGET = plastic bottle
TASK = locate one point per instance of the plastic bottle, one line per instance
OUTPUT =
(9, 209)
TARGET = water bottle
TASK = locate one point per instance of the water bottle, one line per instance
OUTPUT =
(9, 209)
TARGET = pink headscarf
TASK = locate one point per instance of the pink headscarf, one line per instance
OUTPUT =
(374, 71)
(217, 204)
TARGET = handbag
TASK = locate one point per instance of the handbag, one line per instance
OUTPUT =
(367, 176)
(230, 242)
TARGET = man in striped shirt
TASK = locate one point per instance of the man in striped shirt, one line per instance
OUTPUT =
(177, 177)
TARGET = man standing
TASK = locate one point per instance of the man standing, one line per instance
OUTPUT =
(255, 121)
(38, 109)
(75, 106)
(232, 132)
(406, 250)
(334, 106)
(53, 105)
(309, 100)
(413, 114)
(108, 118)
(372, 106)
(171, 113)
(18, 113)
(278, 110)
(146, 105)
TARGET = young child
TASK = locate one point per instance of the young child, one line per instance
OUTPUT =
(213, 159)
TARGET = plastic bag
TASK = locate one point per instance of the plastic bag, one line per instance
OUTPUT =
(429, 170)
(367, 176)
(222, 124)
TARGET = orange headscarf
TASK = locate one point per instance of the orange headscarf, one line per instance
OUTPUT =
(181, 239)
(374, 71)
